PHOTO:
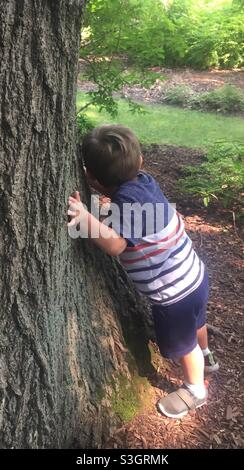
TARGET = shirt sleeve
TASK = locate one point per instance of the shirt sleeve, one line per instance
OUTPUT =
(122, 219)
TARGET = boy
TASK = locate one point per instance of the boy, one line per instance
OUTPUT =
(156, 253)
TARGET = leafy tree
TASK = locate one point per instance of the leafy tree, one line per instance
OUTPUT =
(104, 30)
(115, 34)
(198, 33)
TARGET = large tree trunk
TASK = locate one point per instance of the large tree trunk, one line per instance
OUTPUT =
(63, 303)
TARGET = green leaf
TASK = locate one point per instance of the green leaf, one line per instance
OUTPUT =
(206, 201)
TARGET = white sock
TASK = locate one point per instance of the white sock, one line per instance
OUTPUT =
(198, 390)
(205, 351)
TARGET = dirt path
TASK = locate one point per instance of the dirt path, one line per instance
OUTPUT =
(219, 424)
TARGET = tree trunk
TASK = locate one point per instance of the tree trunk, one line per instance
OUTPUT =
(63, 303)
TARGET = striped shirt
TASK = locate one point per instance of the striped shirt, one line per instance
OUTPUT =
(162, 264)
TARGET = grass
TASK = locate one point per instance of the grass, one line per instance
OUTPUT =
(171, 125)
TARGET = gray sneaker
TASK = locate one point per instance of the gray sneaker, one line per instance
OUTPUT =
(177, 404)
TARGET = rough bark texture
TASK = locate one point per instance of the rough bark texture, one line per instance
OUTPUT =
(62, 301)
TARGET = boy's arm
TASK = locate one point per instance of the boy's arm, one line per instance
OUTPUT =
(106, 238)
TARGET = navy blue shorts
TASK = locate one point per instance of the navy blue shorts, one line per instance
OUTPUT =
(176, 325)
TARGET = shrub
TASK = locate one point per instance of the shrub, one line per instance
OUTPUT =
(84, 124)
(178, 95)
(199, 33)
(227, 99)
(220, 177)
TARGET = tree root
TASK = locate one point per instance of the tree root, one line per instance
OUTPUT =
(215, 331)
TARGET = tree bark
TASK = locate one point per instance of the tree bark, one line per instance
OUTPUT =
(65, 307)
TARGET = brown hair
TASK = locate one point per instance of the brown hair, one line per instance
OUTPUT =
(112, 154)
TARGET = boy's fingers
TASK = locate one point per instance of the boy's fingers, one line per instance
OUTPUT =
(72, 222)
(104, 199)
(72, 200)
(72, 213)
(77, 196)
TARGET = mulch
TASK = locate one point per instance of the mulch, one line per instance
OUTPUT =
(219, 424)
(197, 81)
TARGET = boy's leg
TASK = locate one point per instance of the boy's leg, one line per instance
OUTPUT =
(180, 326)
(202, 337)
(193, 393)
(210, 364)
(193, 367)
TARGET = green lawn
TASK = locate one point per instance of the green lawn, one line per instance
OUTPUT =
(171, 125)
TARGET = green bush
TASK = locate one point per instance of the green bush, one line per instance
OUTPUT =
(220, 177)
(84, 124)
(197, 33)
(134, 28)
(179, 95)
(227, 99)
(217, 41)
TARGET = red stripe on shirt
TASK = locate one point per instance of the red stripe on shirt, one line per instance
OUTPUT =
(146, 245)
(154, 253)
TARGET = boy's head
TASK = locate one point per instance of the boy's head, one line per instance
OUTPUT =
(112, 155)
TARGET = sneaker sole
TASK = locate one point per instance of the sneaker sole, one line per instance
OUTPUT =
(181, 415)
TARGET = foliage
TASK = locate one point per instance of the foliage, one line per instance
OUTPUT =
(107, 33)
(227, 99)
(179, 95)
(199, 33)
(239, 4)
(220, 177)
(84, 123)
(217, 41)
(148, 33)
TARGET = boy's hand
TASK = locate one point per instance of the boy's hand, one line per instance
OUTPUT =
(104, 200)
(76, 196)
(106, 238)
(76, 209)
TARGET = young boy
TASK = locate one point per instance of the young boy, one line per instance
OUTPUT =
(160, 259)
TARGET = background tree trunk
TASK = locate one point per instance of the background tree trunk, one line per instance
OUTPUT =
(62, 301)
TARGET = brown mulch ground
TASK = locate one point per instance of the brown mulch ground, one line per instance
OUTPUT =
(219, 424)
(197, 81)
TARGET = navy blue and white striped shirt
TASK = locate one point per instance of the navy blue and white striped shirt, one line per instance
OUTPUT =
(162, 262)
